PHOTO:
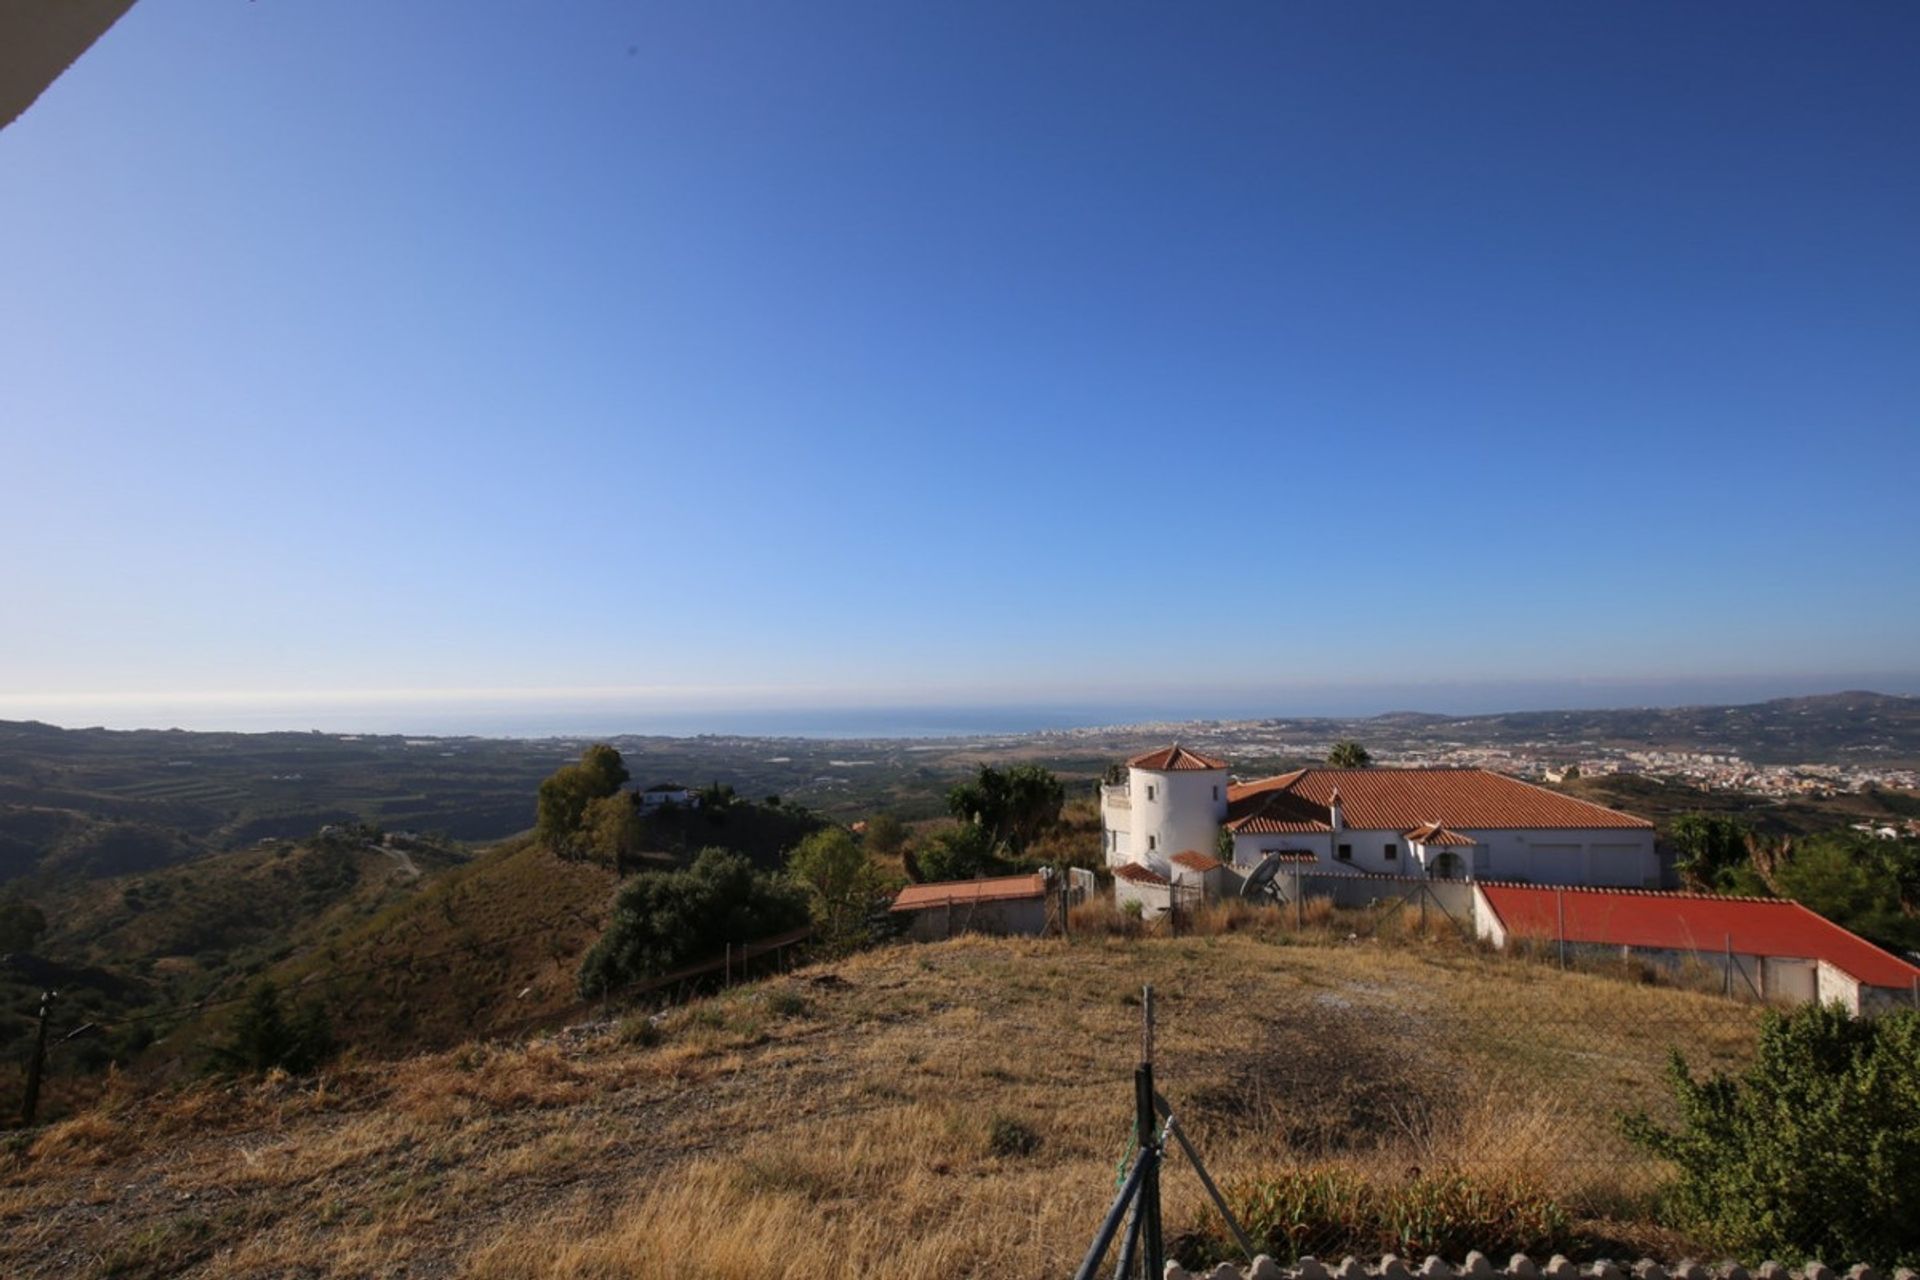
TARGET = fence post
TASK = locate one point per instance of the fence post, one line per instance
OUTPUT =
(30, 1104)
(1144, 1123)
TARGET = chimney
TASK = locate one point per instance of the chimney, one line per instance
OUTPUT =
(1334, 816)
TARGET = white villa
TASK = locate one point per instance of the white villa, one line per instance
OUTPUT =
(1440, 823)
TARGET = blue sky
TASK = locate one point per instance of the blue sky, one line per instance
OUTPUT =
(730, 355)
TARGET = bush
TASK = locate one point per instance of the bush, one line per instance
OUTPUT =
(958, 853)
(663, 920)
(843, 886)
(1332, 1211)
(263, 1037)
(1813, 1150)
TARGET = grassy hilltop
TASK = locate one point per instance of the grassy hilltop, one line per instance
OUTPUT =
(955, 1109)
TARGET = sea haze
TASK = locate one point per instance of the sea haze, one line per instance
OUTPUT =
(571, 715)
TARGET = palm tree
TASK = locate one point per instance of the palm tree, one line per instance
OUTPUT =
(1349, 754)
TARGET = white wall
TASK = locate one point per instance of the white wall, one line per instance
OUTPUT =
(1154, 899)
(1602, 856)
(1173, 811)
(1250, 851)
(1596, 856)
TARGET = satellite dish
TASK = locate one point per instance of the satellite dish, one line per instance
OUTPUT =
(1259, 881)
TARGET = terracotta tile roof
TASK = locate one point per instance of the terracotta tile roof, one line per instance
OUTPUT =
(1294, 855)
(1433, 834)
(1384, 799)
(1174, 759)
(919, 897)
(1696, 922)
(1194, 860)
(1138, 874)
(1272, 813)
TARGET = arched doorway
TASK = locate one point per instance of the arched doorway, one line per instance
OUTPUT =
(1446, 866)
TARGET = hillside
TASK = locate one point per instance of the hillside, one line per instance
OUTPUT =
(491, 946)
(1662, 801)
(123, 950)
(955, 1109)
(1829, 727)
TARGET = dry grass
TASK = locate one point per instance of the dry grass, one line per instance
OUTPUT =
(854, 1120)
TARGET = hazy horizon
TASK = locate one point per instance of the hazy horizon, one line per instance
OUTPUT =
(614, 713)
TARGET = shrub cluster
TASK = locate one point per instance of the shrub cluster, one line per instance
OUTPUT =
(1329, 1211)
(663, 920)
(1812, 1151)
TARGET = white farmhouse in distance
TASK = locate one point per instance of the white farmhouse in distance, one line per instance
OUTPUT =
(1469, 824)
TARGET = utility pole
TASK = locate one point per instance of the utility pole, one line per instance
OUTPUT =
(30, 1104)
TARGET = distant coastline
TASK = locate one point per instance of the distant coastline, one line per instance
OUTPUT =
(570, 716)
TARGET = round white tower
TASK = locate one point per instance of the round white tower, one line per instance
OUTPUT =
(1178, 799)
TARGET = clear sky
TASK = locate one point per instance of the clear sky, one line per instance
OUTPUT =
(744, 354)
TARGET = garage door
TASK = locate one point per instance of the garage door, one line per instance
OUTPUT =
(1618, 864)
(1794, 981)
(1558, 864)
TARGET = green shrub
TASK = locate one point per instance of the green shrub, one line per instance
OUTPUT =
(664, 920)
(264, 1037)
(1331, 1211)
(1812, 1151)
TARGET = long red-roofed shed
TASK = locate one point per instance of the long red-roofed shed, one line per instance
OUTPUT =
(1781, 939)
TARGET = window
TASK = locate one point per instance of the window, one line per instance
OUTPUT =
(1149, 791)
(1216, 793)
(1346, 853)
(1153, 842)
(1393, 851)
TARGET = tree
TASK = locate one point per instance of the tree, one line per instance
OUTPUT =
(610, 828)
(1708, 849)
(1812, 1151)
(606, 772)
(1854, 879)
(663, 920)
(1348, 754)
(21, 924)
(886, 834)
(958, 853)
(842, 885)
(566, 793)
(263, 1037)
(1013, 806)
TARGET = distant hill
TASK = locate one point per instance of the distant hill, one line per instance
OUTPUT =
(1834, 728)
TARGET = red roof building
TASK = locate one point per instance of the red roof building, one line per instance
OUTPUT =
(998, 904)
(1401, 799)
(1175, 759)
(1779, 950)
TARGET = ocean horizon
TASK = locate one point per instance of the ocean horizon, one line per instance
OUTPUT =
(565, 715)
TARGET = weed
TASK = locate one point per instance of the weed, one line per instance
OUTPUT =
(1007, 1137)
